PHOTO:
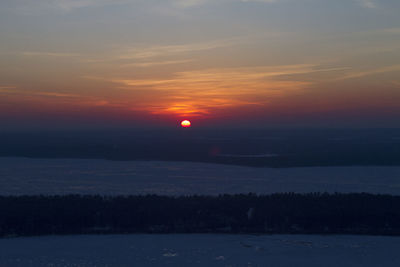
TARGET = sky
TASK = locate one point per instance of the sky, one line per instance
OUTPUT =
(143, 63)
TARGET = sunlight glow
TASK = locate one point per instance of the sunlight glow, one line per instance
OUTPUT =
(185, 124)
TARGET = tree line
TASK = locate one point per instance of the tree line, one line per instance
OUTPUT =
(283, 213)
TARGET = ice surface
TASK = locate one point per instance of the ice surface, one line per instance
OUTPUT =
(64, 176)
(200, 250)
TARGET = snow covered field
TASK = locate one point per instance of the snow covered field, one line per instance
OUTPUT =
(200, 250)
(65, 176)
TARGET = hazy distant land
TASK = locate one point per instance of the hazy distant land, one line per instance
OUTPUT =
(276, 148)
(20, 176)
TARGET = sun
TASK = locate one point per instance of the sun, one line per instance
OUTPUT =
(185, 123)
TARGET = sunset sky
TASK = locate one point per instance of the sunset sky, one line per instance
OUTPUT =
(221, 62)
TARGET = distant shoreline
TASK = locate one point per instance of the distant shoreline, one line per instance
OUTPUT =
(234, 162)
(282, 148)
(27, 176)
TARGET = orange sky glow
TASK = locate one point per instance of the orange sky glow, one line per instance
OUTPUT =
(223, 61)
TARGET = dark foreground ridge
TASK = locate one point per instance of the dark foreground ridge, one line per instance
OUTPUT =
(313, 213)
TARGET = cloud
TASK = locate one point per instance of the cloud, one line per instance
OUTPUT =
(366, 3)
(192, 3)
(7, 87)
(156, 63)
(359, 74)
(392, 30)
(48, 54)
(145, 52)
(74, 4)
(260, 1)
(396, 83)
(38, 7)
(15, 91)
(69, 5)
(42, 6)
(8, 90)
(189, 3)
(202, 91)
(55, 94)
(151, 55)
(225, 80)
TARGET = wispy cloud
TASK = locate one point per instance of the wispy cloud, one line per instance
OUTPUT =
(150, 55)
(239, 78)
(261, 1)
(48, 54)
(156, 63)
(396, 83)
(189, 3)
(359, 74)
(392, 30)
(7, 87)
(55, 94)
(39, 7)
(145, 52)
(69, 5)
(74, 4)
(15, 91)
(367, 3)
(202, 91)
(192, 3)
(229, 79)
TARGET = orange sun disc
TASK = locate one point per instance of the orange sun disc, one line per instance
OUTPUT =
(185, 123)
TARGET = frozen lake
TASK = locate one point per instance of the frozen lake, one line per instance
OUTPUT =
(86, 176)
(200, 250)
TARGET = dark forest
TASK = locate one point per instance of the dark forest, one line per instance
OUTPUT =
(313, 213)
